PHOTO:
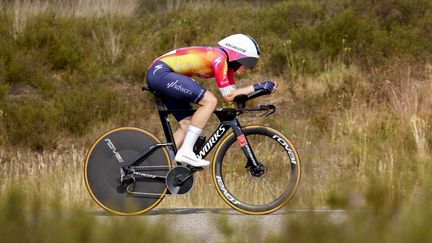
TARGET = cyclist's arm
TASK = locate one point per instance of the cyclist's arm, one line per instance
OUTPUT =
(223, 76)
(246, 90)
(226, 81)
(234, 91)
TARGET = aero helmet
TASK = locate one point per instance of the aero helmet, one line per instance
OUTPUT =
(241, 50)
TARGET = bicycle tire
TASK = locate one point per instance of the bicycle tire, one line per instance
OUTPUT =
(249, 194)
(102, 170)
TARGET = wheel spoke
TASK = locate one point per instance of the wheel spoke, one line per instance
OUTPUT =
(270, 192)
(257, 193)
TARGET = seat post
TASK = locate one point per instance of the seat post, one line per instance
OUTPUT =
(163, 116)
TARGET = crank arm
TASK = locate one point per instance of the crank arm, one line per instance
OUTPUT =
(193, 170)
(178, 183)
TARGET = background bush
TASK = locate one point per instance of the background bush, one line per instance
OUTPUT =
(63, 73)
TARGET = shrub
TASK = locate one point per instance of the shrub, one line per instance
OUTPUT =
(72, 64)
(83, 106)
(31, 122)
(58, 39)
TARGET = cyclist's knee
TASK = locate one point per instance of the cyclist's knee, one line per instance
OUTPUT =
(209, 100)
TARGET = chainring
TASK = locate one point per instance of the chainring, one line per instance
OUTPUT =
(179, 180)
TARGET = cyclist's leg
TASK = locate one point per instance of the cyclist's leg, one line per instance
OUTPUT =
(207, 106)
(200, 118)
(198, 121)
(180, 133)
(177, 91)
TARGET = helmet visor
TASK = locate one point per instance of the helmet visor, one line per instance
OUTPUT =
(248, 62)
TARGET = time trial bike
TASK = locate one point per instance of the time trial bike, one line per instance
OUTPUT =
(255, 169)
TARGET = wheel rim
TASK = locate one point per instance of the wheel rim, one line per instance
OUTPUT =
(257, 195)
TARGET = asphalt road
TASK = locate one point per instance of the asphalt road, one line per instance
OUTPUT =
(208, 225)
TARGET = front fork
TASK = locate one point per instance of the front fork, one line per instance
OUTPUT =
(255, 167)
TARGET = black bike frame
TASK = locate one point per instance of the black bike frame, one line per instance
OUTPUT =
(228, 119)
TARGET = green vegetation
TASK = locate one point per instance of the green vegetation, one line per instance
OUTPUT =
(78, 70)
(354, 77)
(25, 220)
(18, 223)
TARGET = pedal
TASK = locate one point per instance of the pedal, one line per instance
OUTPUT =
(194, 169)
(179, 180)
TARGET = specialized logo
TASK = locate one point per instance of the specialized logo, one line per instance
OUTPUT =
(114, 150)
(213, 140)
(235, 47)
(249, 151)
(157, 67)
(287, 148)
(179, 87)
(225, 191)
(144, 175)
(217, 61)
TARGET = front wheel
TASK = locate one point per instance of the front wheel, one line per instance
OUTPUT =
(251, 193)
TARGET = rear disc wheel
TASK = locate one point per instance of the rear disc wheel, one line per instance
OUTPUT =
(103, 164)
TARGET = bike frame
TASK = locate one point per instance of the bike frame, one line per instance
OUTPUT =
(227, 118)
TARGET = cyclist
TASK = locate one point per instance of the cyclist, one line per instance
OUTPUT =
(170, 76)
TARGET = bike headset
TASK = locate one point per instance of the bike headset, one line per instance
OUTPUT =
(241, 50)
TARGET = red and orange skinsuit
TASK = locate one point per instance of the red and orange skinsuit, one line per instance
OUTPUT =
(202, 62)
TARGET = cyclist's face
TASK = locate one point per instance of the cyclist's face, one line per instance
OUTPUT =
(241, 70)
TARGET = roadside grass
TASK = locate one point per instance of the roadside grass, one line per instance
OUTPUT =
(49, 175)
(25, 218)
(380, 223)
(383, 219)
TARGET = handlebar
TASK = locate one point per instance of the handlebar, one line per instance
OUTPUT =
(240, 100)
(268, 109)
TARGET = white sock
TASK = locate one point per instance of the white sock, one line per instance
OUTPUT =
(191, 137)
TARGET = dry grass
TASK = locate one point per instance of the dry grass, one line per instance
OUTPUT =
(56, 174)
(109, 43)
(23, 10)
